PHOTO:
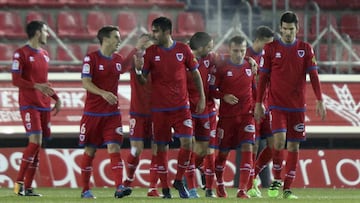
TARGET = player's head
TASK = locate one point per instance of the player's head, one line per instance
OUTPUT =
(161, 28)
(201, 43)
(109, 37)
(289, 26)
(37, 30)
(263, 35)
(237, 49)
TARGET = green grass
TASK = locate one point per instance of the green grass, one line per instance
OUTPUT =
(104, 195)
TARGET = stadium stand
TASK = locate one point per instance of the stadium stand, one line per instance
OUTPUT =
(127, 22)
(7, 51)
(124, 51)
(350, 24)
(63, 55)
(155, 14)
(71, 25)
(95, 20)
(11, 25)
(188, 23)
(35, 15)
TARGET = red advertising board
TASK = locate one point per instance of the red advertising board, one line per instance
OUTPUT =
(61, 168)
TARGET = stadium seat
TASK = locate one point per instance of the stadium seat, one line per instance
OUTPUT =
(298, 4)
(324, 20)
(167, 3)
(350, 24)
(77, 3)
(7, 51)
(327, 4)
(49, 3)
(347, 57)
(62, 55)
(125, 50)
(70, 25)
(92, 47)
(110, 3)
(20, 3)
(11, 25)
(46, 17)
(349, 4)
(95, 20)
(127, 22)
(155, 14)
(188, 23)
(268, 4)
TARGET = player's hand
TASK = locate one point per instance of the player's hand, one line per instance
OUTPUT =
(200, 107)
(320, 109)
(56, 107)
(254, 65)
(109, 97)
(139, 62)
(231, 99)
(259, 112)
(44, 88)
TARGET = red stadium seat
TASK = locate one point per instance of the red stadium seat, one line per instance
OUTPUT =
(350, 24)
(327, 54)
(49, 3)
(167, 3)
(155, 14)
(127, 22)
(298, 4)
(11, 25)
(70, 25)
(125, 50)
(188, 23)
(349, 4)
(327, 4)
(121, 3)
(268, 3)
(7, 51)
(62, 55)
(95, 20)
(324, 20)
(46, 17)
(77, 3)
(347, 57)
(92, 48)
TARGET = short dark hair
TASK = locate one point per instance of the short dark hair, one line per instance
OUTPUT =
(237, 40)
(289, 17)
(263, 31)
(34, 26)
(163, 23)
(199, 39)
(105, 32)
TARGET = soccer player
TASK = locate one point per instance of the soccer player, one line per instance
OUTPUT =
(232, 84)
(283, 69)
(167, 61)
(140, 122)
(101, 120)
(263, 35)
(201, 44)
(30, 74)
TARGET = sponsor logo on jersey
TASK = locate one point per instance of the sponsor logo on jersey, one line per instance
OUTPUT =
(277, 55)
(301, 53)
(206, 63)
(31, 59)
(15, 65)
(101, 67)
(86, 68)
(179, 56)
(157, 58)
(229, 74)
(118, 66)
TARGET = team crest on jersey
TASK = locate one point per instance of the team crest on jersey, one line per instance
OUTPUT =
(118, 66)
(277, 55)
(16, 55)
(248, 72)
(179, 56)
(47, 59)
(15, 65)
(157, 58)
(86, 68)
(301, 53)
(206, 63)
(86, 59)
(229, 74)
(31, 59)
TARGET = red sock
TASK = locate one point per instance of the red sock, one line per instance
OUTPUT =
(252, 173)
(162, 161)
(245, 169)
(30, 172)
(220, 162)
(132, 163)
(278, 158)
(27, 158)
(209, 165)
(290, 168)
(116, 168)
(86, 170)
(190, 172)
(153, 172)
(183, 163)
(262, 160)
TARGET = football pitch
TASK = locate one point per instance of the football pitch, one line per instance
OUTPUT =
(104, 195)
